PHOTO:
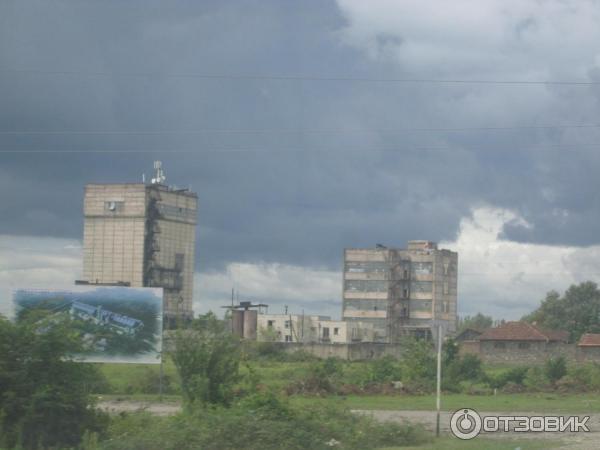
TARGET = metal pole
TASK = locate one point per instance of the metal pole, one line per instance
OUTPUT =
(439, 380)
(160, 381)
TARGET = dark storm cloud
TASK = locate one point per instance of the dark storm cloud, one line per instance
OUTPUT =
(292, 197)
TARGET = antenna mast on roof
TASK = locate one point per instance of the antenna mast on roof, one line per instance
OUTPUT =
(160, 177)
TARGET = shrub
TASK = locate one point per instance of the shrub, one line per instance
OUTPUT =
(587, 376)
(385, 369)
(555, 369)
(263, 421)
(207, 359)
(465, 368)
(515, 375)
(322, 377)
(535, 379)
(418, 365)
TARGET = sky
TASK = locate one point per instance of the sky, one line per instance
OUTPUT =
(308, 127)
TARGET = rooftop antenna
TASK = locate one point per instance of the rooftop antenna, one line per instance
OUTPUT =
(160, 177)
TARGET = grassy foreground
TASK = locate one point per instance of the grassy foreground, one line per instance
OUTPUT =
(125, 381)
(479, 443)
(571, 403)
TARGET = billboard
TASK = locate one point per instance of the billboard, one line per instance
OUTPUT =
(115, 323)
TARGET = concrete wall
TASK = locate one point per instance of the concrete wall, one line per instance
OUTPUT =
(351, 352)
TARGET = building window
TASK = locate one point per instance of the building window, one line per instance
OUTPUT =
(288, 338)
(420, 305)
(113, 206)
(446, 288)
(367, 266)
(366, 285)
(336, 331)
(179, 259)
(499, 345)
(286, 324)
(524, 345)
(421, 286)
(269, 324)
(446, 307)
(422, 268)
(325, 332)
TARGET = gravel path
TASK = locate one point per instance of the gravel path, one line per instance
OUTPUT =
(577, 441)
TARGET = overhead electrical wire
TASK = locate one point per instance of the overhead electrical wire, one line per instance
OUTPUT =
(297, 130)
(296, 77)
(292, 150)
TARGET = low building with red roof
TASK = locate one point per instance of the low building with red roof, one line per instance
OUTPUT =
(588, 347)
(522, 343)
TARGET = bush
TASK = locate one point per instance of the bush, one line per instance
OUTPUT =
(587, 376)
(207, 359)
(263, 421)
(555, 369)
(386, 369)
(515, 375)
(322, 377)
(535, 379)
(460, 369)
(418, 365)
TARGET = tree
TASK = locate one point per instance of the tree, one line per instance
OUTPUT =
(577, 311)
(44, 396)
(418, 363)
(478, 322)
(207, 358)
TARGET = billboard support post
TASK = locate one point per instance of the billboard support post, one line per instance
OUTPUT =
(160, 380)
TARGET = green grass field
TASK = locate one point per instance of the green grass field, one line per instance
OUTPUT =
(572, 403)
(139, 382)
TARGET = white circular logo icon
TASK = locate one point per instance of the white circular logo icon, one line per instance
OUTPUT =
(465, 423)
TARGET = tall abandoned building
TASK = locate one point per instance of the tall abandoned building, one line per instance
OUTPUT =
(401, 291)
(142, 235)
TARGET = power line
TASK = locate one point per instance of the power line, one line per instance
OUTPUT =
(295, 150)
(297, 77)
(295, 131)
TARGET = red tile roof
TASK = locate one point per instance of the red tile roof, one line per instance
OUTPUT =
(522, 331)
(590, 339)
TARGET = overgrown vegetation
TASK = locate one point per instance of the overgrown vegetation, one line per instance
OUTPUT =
(260, 421)
(207, 358)
(45, 399)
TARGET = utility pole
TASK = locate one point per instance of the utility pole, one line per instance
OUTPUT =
(439, 379)
(232, 291)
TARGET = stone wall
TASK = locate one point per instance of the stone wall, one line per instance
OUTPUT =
(519, 352)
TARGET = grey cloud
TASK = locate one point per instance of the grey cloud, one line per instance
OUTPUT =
(295, 198)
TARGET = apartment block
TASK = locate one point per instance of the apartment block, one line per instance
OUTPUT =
(400, 291)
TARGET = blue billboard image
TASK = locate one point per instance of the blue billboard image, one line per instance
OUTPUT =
(115, 323)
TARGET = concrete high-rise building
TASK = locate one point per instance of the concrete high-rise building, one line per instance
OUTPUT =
(401, 291)
(143, 235)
